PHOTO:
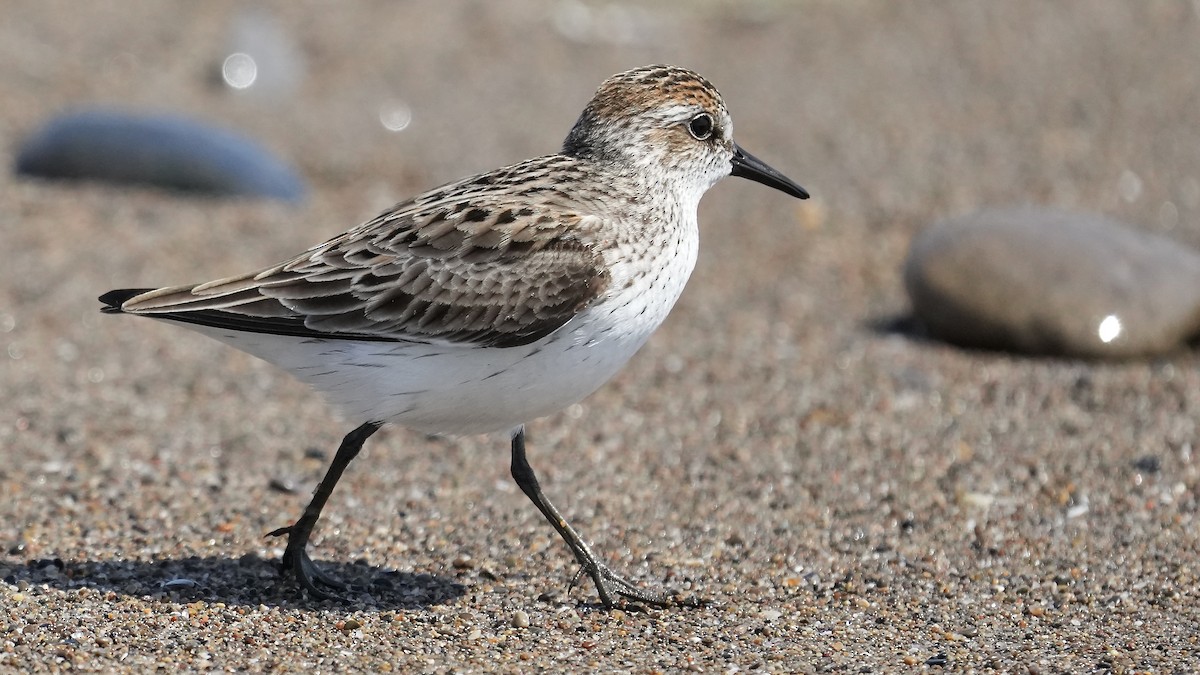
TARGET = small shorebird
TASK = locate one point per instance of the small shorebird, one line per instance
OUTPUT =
(493, 300)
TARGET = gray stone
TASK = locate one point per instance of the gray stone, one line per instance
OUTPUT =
(163, 150)
(1041, 281)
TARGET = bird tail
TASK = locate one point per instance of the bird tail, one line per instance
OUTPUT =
(114, 299)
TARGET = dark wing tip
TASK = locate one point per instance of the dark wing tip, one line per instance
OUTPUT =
(114, 299)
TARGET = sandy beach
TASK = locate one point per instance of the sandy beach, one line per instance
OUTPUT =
(849, 496)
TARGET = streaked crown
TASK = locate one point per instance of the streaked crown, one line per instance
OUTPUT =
(657, 117)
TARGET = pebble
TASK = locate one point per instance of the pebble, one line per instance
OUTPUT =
(1041, 281)
(284, 485)
(520, 619)
(162, 150)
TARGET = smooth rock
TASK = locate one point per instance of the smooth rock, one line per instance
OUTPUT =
(163, 150)
(1040, 281)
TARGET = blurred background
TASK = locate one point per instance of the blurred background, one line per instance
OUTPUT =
(895, 115)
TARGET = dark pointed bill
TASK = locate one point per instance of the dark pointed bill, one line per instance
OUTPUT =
(746, 165)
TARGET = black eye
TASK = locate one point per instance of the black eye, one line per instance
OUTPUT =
(701, 126)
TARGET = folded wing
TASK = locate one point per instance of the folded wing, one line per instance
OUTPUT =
(481, 267)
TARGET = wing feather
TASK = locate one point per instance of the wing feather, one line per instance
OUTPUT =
(472, 262)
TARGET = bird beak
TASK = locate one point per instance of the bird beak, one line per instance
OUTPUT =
(746, 165)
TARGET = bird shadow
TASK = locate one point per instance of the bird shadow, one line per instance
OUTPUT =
(248, 580)
(909, 327)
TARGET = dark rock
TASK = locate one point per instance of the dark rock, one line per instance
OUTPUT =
(162, 150)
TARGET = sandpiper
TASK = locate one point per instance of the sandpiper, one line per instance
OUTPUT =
(493, 300)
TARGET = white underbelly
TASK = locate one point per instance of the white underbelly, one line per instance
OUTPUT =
(450, 388)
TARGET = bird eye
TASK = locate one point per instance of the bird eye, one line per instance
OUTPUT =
(701, 126)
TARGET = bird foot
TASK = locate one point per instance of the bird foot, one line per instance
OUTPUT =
(611, 586)
(296, 561)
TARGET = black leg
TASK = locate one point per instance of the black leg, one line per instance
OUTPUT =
(608, 584)
(295, 557)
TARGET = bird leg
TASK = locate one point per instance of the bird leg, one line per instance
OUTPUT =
(295, 556)
(609, 585)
